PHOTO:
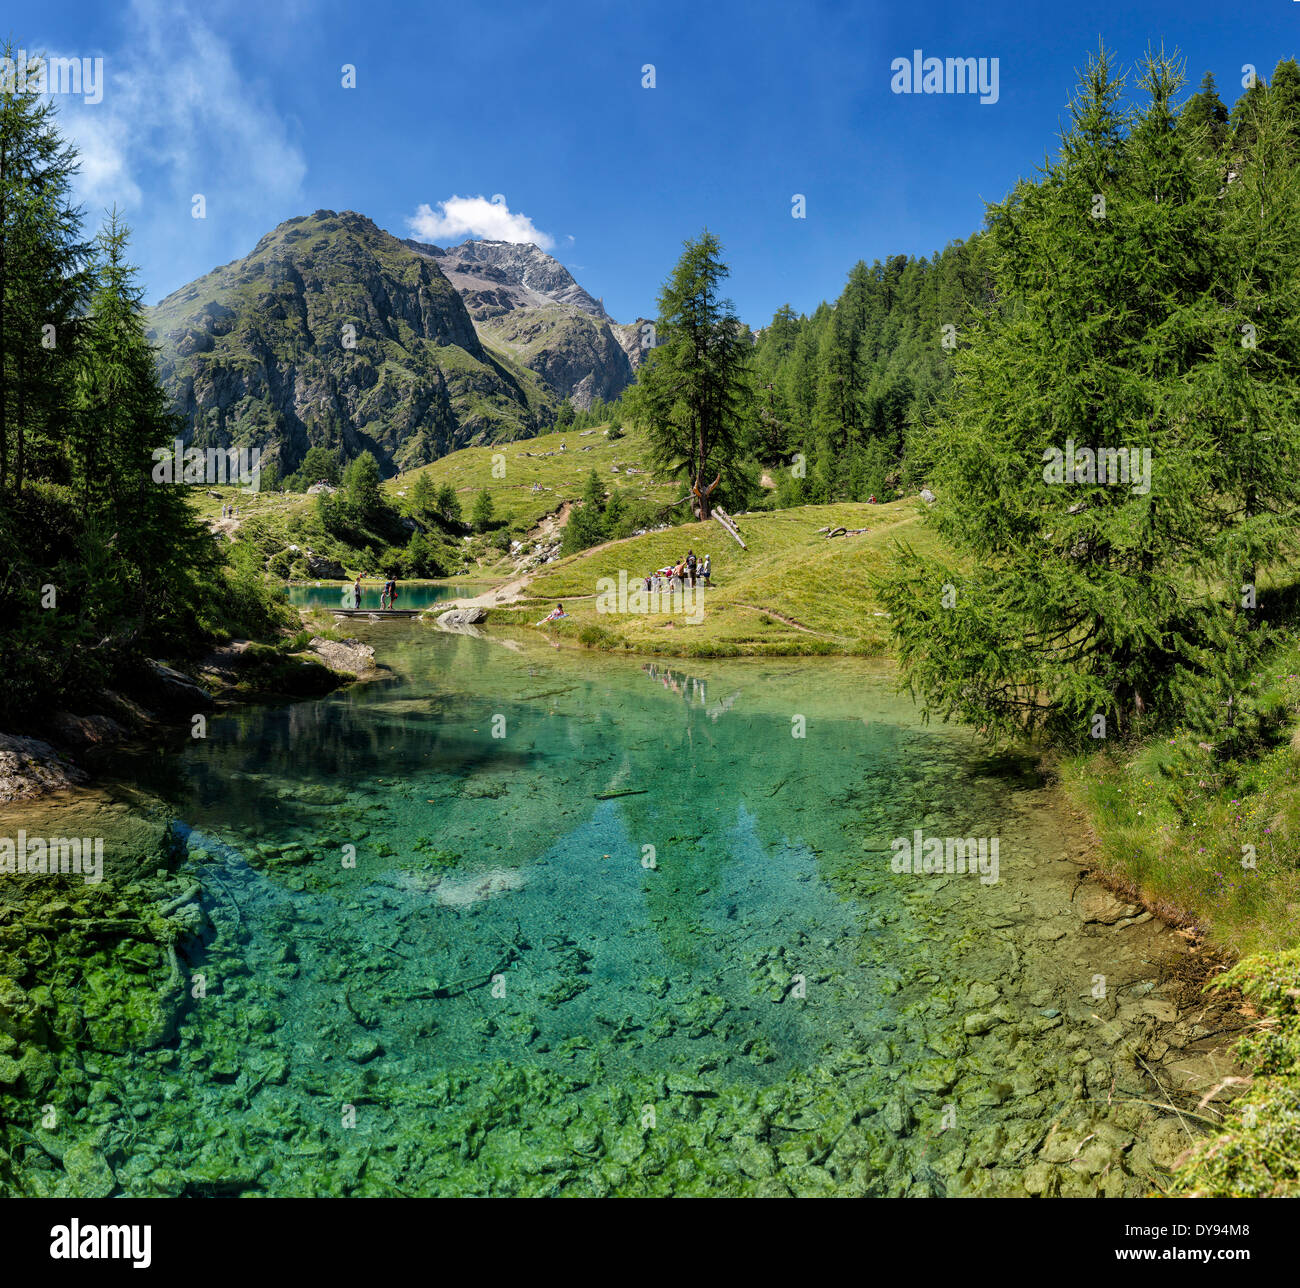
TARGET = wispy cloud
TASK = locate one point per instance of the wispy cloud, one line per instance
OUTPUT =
(180, 117)
(461, 217)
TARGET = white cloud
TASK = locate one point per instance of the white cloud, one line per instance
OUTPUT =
(460, 217)
(179, 117)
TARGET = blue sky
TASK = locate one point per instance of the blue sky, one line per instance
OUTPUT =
(543, 106)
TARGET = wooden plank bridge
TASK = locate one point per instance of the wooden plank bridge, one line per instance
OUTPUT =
(377, 612)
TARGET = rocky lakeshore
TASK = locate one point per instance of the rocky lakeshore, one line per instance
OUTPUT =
(89, 966)
(165, 700)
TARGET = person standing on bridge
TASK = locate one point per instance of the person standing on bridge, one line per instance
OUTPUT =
(356, 592)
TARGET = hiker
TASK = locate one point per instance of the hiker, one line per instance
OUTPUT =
(386, 597)
(690, 565)
(356, 593)
(706, 574)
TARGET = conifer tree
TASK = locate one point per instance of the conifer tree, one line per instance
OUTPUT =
(1247, 395)
(423, 497)
(586, 525)
(361, 487)
(482, 514)
(120, 420)
(43, 285)
(447, 504)
(1205, 110)
(693, 392)
(1071, 599)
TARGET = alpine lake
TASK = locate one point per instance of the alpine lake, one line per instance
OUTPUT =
(510, 919)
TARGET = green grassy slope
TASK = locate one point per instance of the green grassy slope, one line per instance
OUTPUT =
(561, 474)
(792, 590)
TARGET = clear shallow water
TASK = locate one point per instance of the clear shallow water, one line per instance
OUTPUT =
(410, 594)
(646, 940)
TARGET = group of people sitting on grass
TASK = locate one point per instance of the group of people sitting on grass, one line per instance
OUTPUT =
(690, 572)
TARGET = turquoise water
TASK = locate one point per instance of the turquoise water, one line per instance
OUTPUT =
(410, 594)
(515, 920)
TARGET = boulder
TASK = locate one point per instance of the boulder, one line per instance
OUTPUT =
(30, 767)
(172, 690)
(129, 714)
(86, 731)
(455, 617)
(324, 568)
(344, 655)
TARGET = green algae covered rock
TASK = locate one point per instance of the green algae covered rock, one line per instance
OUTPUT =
(89, 1174)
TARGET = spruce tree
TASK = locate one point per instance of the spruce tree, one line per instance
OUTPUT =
(1247, 395)
(1205, 111)
(43, 286)
(120, 421)
(1284, 90)
(586, 525)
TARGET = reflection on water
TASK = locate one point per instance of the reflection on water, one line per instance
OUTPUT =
(520, 922)
(410, 594)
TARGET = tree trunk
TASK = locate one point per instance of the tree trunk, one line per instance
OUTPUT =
(4, 268)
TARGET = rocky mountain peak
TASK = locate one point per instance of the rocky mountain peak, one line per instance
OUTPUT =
(493, 276)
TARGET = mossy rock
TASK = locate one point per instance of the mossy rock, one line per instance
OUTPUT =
(88, 1171)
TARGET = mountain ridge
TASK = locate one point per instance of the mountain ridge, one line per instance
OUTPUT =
(527, 302)
(334, 332)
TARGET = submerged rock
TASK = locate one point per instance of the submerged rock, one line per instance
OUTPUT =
(1100, 907)
(364, 1050)
(89, 1172)
(461, 892)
